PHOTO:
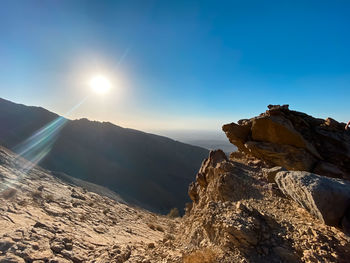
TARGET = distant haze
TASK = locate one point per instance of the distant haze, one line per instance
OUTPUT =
(210, 140)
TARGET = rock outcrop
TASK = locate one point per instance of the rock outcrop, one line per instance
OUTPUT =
(241, 217)
(328, 199)
(295, 141)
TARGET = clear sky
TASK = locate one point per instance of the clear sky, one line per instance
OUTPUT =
(177, 64)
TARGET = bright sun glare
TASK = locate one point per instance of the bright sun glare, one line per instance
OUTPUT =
(100, 84)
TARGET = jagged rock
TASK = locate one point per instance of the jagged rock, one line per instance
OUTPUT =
(221, 180)
(328, 199)
(295, 141)
(234, 210)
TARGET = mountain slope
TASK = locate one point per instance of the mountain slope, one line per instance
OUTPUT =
(43, 219)
(145, 169)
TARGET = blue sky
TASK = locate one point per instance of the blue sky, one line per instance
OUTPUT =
(177, 64)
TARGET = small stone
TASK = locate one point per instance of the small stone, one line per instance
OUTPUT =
(151, 245)
(68, 246)
(57, 247)
(77, 196)
(100, 229)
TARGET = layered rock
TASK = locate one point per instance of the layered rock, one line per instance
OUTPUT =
(295, 141)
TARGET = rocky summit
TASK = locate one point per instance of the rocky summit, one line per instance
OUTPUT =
(294, 140)
(284, 196)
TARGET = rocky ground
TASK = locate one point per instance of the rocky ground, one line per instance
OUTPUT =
(236, 216)
(245, 207)
(43, 219)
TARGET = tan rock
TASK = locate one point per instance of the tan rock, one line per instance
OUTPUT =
(295, 141)
(237, 134)
(289, 157)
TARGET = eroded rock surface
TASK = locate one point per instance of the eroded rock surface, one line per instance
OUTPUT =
(295, 141)
(328, 199)
(242, 217)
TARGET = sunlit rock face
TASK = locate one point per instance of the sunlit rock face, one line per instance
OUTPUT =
(295, 141)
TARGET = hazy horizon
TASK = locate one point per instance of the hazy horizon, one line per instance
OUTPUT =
(188, 132)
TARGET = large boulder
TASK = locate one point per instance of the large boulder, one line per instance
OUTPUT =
(295, 141)
(328, 199)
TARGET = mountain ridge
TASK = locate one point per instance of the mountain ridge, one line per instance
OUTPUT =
(140, 166)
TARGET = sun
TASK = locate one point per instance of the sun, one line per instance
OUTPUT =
(100, 84)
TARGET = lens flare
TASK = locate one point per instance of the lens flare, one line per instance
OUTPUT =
(36, 147)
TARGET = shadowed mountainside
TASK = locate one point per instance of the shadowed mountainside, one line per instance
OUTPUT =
(144, 169)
